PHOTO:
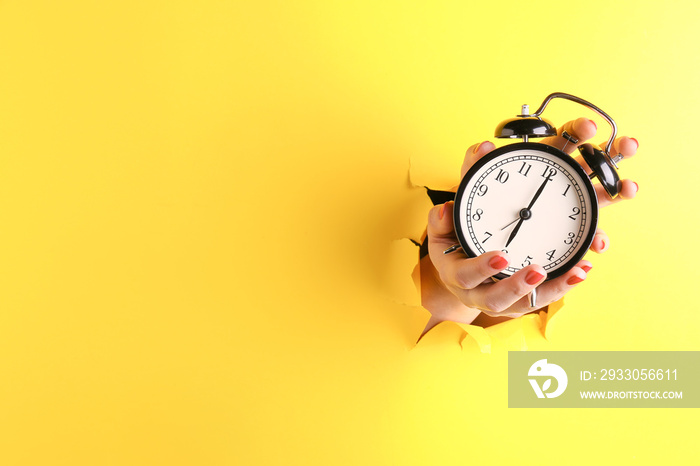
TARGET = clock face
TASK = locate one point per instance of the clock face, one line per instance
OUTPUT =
(530, 200)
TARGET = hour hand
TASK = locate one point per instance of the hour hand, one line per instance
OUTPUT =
(514, 232)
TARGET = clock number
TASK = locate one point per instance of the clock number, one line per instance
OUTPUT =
(489, 236)
(549, 172)
(502, 176)
(566, 190)
(576, 212)
(570, 238)
(482, 190)
(525, 168)
(504, 250)
(477, 215)
(550, 254)
(526, 262)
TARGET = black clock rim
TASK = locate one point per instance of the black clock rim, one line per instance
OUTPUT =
(565, 158)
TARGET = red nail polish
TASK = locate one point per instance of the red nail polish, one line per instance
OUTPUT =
(442, 211)
(636, 185)
(636, 142)
(586, 268)
(533, 277)
(498, 263)
(574, 280)
(594, 125)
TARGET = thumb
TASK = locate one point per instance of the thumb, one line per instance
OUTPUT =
(440, 224)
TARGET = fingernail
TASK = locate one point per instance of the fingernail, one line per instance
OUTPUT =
(574, 280)
(586, 268)
(602, 248)
(442, 211)
(594, 125)
(636, 185)
(498, 263)
(636, 142)
(533, 277)
(477, 147)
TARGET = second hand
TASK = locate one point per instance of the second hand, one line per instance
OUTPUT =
(510, 223)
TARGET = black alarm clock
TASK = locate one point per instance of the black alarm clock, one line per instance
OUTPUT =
(534, 201)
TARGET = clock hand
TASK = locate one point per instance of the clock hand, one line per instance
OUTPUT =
(526, 213)
(510, 223)
(514, 232)
(537, 194)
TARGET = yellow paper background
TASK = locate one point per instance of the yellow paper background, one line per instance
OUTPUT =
(201, 202)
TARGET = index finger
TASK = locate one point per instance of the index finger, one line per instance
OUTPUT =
(582, 129)
(455, 269)
(474, 153)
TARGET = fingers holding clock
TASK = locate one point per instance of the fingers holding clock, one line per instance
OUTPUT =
(466, 274)
(582, 129)
(474, 153)
(628, 190)
(601, 242)
(555, 289)
(467, 278)
(501, 298)
(441, 231)
(455, 270)
(547, 293)
(624, 145)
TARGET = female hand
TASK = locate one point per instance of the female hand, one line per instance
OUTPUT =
(457, 288)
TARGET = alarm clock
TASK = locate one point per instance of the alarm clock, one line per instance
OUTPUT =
(533, 201)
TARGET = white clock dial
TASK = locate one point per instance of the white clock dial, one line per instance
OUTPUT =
(532, 202)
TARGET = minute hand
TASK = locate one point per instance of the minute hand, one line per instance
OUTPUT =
(537, 194)
(532, 203)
